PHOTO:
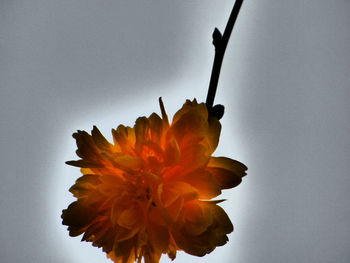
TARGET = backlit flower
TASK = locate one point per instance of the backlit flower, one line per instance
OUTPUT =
(149, 192)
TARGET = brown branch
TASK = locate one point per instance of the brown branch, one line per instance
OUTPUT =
(220, 42)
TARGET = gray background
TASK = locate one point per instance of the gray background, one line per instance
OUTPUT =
(67, 65)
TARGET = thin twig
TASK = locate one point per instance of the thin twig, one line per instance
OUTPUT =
(220, 42)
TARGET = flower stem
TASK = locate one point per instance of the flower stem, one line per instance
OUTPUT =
(220, 44)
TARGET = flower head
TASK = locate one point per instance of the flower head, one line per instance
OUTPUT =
(149, 192)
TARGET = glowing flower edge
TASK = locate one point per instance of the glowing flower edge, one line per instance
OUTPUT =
(150, 191)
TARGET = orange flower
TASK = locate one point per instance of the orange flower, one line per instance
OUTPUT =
(150, 191)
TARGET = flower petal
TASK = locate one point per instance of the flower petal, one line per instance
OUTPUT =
(100, 233)
(219, 225)
(141, 129)
(172, 153)
(78, 216)
(124, 137)
(226, 171)
(123, 251)
(177, 189)
(194, 156)
(191, 124)
(159, 237)
(100, 140)
(84, 185)
(156, 127)
(204, 182)
(124, 161)
(129, 217)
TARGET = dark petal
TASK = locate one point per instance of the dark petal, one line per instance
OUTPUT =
(78, 216)
(85, 164)
(101, 234)
(215, 234)
(226, 171)
(99, 139)
(225, 179)
(86, 145)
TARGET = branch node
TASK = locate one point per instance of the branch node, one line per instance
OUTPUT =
(217, 111)
(217, 37)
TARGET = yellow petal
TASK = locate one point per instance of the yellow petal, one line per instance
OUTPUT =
(124, 137)
(172, 152)
(156, 127)
(196, 221)
(192, 125)
(213, 134)
(141, 130)
(204, 182)
(86, 171)
(188, 106)
(129, 217)
(194, 156)
(84, 185)
(158, 237)
(124, 162)
(177, 189)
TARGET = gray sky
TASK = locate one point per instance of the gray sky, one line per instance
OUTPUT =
(68, 65)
